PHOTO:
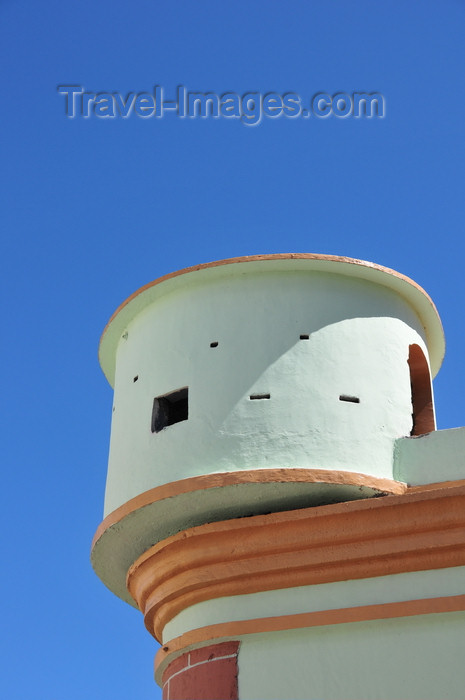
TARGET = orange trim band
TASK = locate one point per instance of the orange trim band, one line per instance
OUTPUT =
(350, 540)
(228, 630)
(437, 485)
(249, 476)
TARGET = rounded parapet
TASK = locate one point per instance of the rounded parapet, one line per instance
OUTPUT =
(153, 516)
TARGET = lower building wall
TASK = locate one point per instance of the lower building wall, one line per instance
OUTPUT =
(414, 658)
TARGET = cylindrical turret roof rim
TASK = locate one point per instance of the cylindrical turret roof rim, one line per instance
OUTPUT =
(412, 292)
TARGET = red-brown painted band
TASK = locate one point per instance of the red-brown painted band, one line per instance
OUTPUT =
(207, 673)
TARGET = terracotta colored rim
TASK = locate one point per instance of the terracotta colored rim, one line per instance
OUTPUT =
(257, 258)
(351, 540)
(249, 476)
(412, 292)
(235, 630)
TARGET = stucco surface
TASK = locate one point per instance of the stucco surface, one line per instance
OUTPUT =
(434, 457)
(419, 658)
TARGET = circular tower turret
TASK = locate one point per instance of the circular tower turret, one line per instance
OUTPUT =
(258, 384)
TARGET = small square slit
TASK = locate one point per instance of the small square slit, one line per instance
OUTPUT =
(170, 409)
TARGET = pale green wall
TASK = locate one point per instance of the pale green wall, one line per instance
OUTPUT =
(436, 456)
(415, 658)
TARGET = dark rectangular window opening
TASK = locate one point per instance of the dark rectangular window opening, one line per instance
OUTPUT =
(214, 344)
(259, 396)
(304, 336)
(170, 409)
(351, 399)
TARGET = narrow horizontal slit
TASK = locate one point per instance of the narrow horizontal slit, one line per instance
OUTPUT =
(253, 397)
(214, 344)
(304, 336)
(351, 399)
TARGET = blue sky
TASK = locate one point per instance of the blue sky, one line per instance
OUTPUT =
(94, 208)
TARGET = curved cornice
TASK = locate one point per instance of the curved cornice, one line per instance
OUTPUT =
(154, 515)
(359, 539)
